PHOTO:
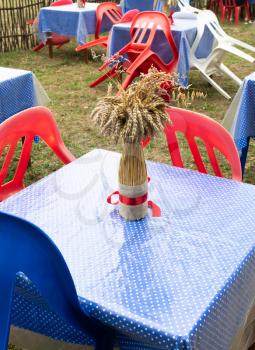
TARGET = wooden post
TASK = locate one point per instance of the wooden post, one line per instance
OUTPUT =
(86, 56)
(49, 43)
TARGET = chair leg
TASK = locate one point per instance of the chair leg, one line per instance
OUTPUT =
(128, 80)
(224, 69)
(223, 11)
(38, 47)
(237, 14)
(216, 86)
(110, 74)
(50, 46)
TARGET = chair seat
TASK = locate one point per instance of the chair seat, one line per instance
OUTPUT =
(57, 39)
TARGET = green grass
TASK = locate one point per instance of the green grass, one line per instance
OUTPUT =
(66, 79)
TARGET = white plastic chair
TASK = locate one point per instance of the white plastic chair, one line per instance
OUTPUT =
(223, 43)
(211, 17)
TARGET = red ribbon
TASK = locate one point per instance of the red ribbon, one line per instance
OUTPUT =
(156, 212)
(133, 201)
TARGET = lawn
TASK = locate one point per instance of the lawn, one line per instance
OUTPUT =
(66, 79)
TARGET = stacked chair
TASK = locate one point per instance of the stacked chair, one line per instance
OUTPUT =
(223, 44)
(113, 13)
(139, 50)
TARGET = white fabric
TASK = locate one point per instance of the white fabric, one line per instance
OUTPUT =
(230, 117)
(41, 95)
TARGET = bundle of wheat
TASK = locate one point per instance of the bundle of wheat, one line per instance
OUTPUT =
(132, 116)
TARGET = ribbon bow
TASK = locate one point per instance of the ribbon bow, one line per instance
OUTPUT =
(156, 212)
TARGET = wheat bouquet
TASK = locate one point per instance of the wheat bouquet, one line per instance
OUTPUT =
(130, 117)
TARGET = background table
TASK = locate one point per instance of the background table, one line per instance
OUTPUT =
(184, 33)
(142, 5)
(70, 20)
(240, 117)
(181, 281)
(19, 90)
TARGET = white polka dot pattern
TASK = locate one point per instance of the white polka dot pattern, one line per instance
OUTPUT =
(181, 281)
(245, 115)
(17, 92)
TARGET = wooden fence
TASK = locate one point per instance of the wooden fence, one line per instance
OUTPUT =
(14, 32)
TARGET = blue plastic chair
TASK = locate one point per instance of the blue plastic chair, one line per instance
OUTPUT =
(26, 248)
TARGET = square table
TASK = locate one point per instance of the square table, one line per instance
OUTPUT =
(240, 117)
(19, 90)
(184, 280)
(184, 33)
(70, 20)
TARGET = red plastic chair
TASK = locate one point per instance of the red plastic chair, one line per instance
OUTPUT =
(214, 6)
(138, 50)
(55, 39)
(232, 8)
(105, 9)
(213, 135)
(37, 121)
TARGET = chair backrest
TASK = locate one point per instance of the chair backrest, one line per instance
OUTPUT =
(111, 11)
(211, 133)
(61, 2)
(36, 121)
(228, 3)
(25, 248)
(144, 27)
(129, 16)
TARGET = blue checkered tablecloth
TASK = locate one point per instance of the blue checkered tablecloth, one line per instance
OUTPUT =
(240, 116)
(19, 90)
(70, 20)
(181, 281)
(184, 33)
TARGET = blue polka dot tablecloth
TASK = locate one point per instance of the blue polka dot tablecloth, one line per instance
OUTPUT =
(19, 90)
(240, 116)
(184, 280)
(70, 20)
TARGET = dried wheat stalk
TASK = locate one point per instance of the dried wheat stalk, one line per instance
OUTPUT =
(136, 113)
(132, 116)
